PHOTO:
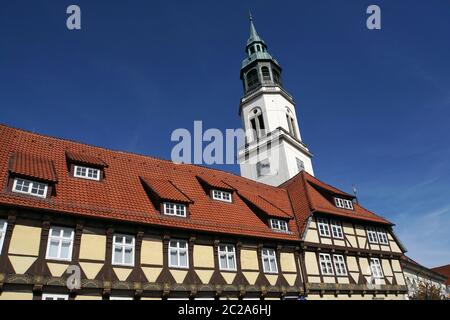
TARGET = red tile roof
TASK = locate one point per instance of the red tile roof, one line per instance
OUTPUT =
(121, 196)
(85, 159)
(32, 166)
(166, 190)
(214, 182)
(309, 195)
(264, 205)
(445, 271)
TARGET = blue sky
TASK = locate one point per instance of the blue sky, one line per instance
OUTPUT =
(373, 106)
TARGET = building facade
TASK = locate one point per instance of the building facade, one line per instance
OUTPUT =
(84, 222)
(417, 275)
(445, 271)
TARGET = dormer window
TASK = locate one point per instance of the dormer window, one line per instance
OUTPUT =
(175, 209)
(221, 195)
(343, 203)
(86, 166)
(279, 225)
(86, 173)
(30, 187)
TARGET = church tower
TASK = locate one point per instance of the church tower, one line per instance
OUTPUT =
(274, 151)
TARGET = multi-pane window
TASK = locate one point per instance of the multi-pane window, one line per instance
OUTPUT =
(33, 188)
(382, 236)
(343, 203)
(263, 168)
(120, 298)
(269, 260)
(279, 225)
(51, 296)
(178, 254)
(339, 265)
(326, 266)
(221, 195)
(336, 229)
(3, 225)
(324, 228)
(60, 243)
(227, 257)
(372, 235)
(300, 165)
(123, 250)
(375, 266)
(175, 209)
(87, 173)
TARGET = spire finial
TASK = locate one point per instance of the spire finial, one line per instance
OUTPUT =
(250, 15)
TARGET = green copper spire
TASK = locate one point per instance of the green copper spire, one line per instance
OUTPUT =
(254, 37)
(256, 48)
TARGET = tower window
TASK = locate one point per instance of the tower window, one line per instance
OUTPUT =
(276, 77)
(291, 124)
(252, 79)
(263, 168)
(265, 73)
(257, 123)
(300, 165)
(252, 50)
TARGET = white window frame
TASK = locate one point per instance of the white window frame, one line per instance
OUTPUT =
(343, 203)
(279, 225)
(55, 296)
(372, 235)
(3, 227)
(326, 264)
(382, 237)
(325, 230)
(123, 245)
(87, 170)
(178, 209)
(271, 256)
(225, 251)
(179, 250)
(339, 265)
(120, 298)
(375, 267)
(336, 229)
(32, 184)
(221, 195)
(60, 240)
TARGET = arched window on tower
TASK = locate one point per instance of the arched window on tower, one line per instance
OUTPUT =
(291, 124)
(276, 76)
(252, 79)
(257, 123)
(265, 73)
